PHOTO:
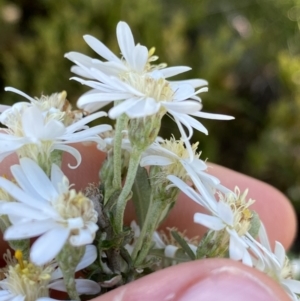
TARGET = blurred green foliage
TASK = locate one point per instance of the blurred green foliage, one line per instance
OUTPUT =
(248, 50)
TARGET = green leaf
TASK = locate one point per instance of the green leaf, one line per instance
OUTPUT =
(184, 245)
(141, 194)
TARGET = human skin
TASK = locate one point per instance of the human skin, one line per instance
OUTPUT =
(209, 279)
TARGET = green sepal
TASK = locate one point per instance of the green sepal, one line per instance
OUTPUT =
(255, 224)
(206, 246)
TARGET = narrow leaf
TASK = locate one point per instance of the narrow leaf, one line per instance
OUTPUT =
(183, 245)
(141, 194)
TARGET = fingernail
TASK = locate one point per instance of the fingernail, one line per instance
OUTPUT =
(228, 284)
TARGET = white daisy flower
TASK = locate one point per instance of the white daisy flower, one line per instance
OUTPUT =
(230, 214)
(55, 103)
(136, 58)
(144, 95)
(139, 90)
(276, 264)
(175, 159)
(36, 133)
(46, 208)
(224, 219)
(26, 281)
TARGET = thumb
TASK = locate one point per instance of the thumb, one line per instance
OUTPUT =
(205, 280)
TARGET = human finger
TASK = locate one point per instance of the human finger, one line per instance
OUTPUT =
(205, 280)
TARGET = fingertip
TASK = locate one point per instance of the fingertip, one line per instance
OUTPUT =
(210, 279)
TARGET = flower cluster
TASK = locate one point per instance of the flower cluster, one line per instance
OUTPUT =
(85, 230)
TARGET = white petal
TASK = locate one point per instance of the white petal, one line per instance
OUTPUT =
(83, 286)
(195, 83)
(182, 107)
(236, 246)
(198, 165)
(58, 285)
(23, 210)
(52, 130)
(72, 151)
(182, 92)
(87, 287)
(91, 226)
(170, 251)
(46, 247)
(159, 244)
(179, 121)
(263, 237)
(211, 222)
(79, 71)
(83, 238)
(58, 178)
(145, 107)
(24, 183)
(123, 107)
(7, 296)
(77, 56)
(126, 41)
(20, 195)
(293, 285)
(212, 180)
(279, 253)
(101, 49)
(4, 108)
(32, 122)
(191, 122)
(212, 116)
(90, 134)
(29, 229)
(172, 71)
(101, 99)
(206, 198)
(88, 258)
(205, 201)
(83, 121)
(9, 143)
(193, 248)
(18, 298)
(11, 89)
(140, 57)
(155, 160)
(38, 179)
(225, 213)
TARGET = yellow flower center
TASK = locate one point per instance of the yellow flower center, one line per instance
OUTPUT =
(27, 279)
(158, 89)
(73, 204)
(176, 168)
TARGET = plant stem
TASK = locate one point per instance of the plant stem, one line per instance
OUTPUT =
(68, 258)
(120, 126)
(134, 162)
(144, 241)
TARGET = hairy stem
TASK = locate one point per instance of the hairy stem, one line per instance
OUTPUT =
(125, 193)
